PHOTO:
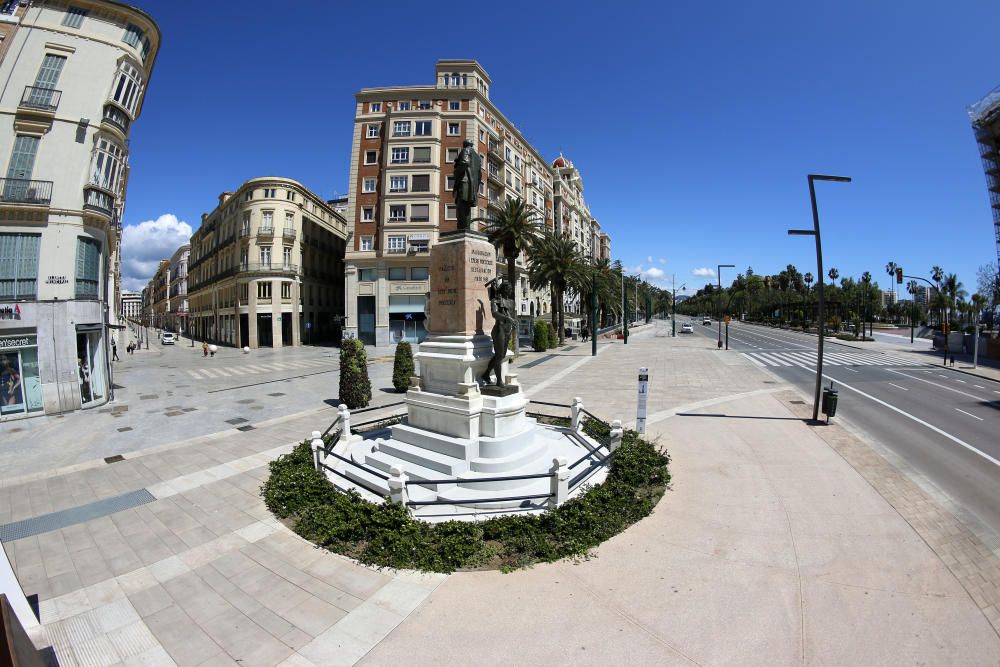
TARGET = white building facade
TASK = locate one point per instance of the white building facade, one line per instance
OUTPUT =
(73, 77)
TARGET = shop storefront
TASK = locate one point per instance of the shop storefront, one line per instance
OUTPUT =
(407, 319)
(20, 384)
(91, 365)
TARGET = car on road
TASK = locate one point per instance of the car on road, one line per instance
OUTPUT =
(687, 328)
(168, 338)
(707, 321)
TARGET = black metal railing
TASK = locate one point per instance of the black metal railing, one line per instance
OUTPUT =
(24, 191)
(476, 480)
(42, 99)
(268, 267)
(96, 199)
(288, 233)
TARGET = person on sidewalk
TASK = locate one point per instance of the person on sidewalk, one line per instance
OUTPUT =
(114, 351)
(204, 349)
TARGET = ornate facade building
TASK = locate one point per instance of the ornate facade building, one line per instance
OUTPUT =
(74, 78)
(266, 267)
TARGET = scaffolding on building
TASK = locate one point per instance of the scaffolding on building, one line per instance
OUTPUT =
(985, 115)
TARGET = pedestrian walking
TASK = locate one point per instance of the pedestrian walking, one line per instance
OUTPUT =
(204, 349)
(952, 358)
(114, 351)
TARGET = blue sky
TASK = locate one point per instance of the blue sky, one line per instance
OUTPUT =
(693, 124)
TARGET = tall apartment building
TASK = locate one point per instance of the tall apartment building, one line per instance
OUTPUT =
(130, 306)
(400, 200)
(177, 306)
(266, 267)
(74, 76)
(985, 115)
(160, 290)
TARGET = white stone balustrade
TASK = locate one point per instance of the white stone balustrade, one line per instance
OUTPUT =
(560, 480)
(577, 413)
(617, 432)
(319, 451)
(398, 492)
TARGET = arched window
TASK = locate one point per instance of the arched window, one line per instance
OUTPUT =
(454, 79)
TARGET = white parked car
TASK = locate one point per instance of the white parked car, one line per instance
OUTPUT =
(687, 328)
(167, 338)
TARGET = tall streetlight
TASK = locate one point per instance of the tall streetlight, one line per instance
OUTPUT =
(624, 309)
(673, 302)
(819, 272)
(718, 275)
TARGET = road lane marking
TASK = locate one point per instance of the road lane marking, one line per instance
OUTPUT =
(936, 384)
(898, 387)
(957, 380)
(970, 414)
(912, 417)
(979, 386)
(752, 359)
(851, 369)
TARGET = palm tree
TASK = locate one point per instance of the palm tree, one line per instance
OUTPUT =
(808, 280)
(512, 229)
(952, 288)
(890, 268)
(556, 262)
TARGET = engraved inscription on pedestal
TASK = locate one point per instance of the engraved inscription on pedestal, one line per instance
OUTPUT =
(461, 265)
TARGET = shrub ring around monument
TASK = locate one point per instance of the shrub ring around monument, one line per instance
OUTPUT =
(386, 535)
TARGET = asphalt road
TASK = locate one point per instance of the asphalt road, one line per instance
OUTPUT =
(939, 426)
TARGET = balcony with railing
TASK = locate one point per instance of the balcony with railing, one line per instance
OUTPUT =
(24, 191)
(288, 234)
(268, 267)
(98, 200)
(40, 99)
(265, 230)
(116, 118)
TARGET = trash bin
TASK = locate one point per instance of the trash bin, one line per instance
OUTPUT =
(829, 402)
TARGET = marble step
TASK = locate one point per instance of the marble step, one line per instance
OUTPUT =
(448, 466)
(458, 448)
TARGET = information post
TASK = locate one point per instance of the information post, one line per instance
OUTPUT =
(640, 411)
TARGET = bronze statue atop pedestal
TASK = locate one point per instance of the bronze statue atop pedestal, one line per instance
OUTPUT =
(502, 307)
(468, 173)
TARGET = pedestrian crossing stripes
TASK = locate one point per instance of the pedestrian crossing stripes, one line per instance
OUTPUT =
(251, 369)
(804, 358)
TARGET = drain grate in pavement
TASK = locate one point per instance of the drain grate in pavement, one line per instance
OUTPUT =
(246, 401)
(174, 413)
(147, 397)
(277, 393)
(74, 515)
(797, 402)
(118, 409)
(248, 427)
(114, 459)
(188, 409)
(124, 428)
(237, 420)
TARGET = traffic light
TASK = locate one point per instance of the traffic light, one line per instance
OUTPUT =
(899, 275)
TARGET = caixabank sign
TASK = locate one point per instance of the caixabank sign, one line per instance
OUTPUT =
(10, 312)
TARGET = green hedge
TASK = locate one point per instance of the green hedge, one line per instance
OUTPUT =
(355, 386)
(386, 536)
(541, 338)
(402, 366)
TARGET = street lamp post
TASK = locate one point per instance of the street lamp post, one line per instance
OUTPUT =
(593, 312)
(819, 272)
(718, 276)
(624, 309)
(673, 302)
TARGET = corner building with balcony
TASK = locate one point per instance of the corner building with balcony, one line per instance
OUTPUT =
(266, 268)
(985, 116)
(74, 74)
(400, 199)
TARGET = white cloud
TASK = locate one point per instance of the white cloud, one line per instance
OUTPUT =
(704, 272)
(649, 260)
(653, 275)
(145, 244)
(663, 260)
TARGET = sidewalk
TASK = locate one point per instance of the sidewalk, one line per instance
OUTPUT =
(779, 543)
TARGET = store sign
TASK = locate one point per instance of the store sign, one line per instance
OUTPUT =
(10, 312)
(56, 280)
(20, 340)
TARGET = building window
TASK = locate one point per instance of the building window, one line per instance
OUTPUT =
(398, 183)
(286, 257)
(368, 185)
(270, 193)
(367, 243)
(286, 290)
(401, 128)
(106, 169)
(128, 87)
(454, 129)
(289, 220)
(418, 272)
(74, 17)
(421, 155)
(506, 152)
(452, 155)
(136, 38)
(454, 105)
(371, 157)
(248, 196)
(367, 275)
(482, 136)
(244, 292)
(264, 290)
(290, 195)
(450, 212)
(245, 228)
(424, 104)
(375, 107)
(404, 106)
(449, 183)
(397, 244)
(397, 273)
(517, 162)
(19, 266)
(420, 212)
(265, 256)
(422, 128)
(372, 130)
(88, 262)
(367, 214)
(267, 221)
(422, 183)
(397, 213)
(400, 155)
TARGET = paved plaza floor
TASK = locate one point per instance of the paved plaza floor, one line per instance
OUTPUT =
(778, 543)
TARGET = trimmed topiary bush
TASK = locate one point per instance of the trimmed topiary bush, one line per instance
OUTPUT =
(355, 386)
(553, 337)
(386, 536)
(402, 366)
(541, 339)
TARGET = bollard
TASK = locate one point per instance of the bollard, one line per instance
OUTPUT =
(319, 450)
(397, 486)
(617, 432)
(345, 423)
(577, 412)
(559, 481)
